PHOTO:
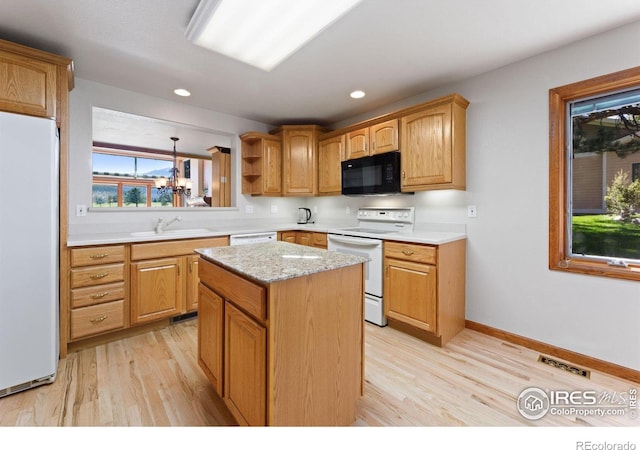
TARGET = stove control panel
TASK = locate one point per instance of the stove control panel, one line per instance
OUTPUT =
(386, 215)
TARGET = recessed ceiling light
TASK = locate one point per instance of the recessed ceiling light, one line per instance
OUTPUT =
(357, 94)
(262, 33)
(182, 92)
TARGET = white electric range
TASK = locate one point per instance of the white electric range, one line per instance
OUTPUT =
(366, 240)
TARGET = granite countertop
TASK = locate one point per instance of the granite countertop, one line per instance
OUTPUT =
(277, 261)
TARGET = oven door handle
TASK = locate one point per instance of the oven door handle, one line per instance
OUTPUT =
(355, 241)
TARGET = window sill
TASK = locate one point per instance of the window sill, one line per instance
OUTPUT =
(597, 268)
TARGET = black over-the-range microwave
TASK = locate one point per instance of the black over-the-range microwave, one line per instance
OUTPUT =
(372, 175)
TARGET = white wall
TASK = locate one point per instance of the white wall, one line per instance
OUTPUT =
(508, 283)
(87, 94)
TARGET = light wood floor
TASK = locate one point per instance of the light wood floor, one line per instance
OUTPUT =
(153, 380)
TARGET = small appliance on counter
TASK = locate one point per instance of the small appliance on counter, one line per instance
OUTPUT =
(304, 215)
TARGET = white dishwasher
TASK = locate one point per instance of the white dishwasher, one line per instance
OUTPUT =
(253, 238)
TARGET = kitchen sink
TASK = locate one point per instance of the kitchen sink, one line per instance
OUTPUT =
(174, 233)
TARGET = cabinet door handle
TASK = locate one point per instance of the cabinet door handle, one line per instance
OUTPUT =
(190, 266)
(408, 252)
(403, 174)
(99, 256)
(102, 294)
(98, 276)
(99, 319)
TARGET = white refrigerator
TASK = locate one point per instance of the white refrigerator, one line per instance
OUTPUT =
(29, 264)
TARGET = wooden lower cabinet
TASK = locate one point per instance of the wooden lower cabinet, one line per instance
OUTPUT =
(115, 287)
(96, 319)
(412, 294)
(287, 236)
(424, 289)
(164, 277)
(192, 297)
(319, 240)
(156, 289)
(97, 301)
(303, 238)
(245, 358)
(278, 370)
(308, 238)
(211, 336)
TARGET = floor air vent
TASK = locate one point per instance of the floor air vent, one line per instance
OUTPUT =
(564, 366)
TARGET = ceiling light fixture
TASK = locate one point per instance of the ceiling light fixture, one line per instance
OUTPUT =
(176, 184)
(357, 94)
(182, 92)
(262, 33)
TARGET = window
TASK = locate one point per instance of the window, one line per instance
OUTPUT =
(126, 178)
(594, 156)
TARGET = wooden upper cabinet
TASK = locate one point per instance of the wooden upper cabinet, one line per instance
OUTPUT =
(431, 138)
(299, 159)
(261, 164)
(272, 167)
(378, 138)
(357, 143)
(384, 137)
(330, 156)
(29, 80)
(433, 147)
(299, 162)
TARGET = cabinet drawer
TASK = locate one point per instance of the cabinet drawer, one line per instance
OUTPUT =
(92, 276)
(96, 294)
(97, 319)
(243, 293)
(319, 240)
(411, 252)
(91, 256)
(166, 249)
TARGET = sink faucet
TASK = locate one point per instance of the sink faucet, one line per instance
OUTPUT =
(161, 226)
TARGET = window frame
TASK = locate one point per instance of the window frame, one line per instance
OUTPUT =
(559, 184)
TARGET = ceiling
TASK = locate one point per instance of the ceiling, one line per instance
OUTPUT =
(392, 49)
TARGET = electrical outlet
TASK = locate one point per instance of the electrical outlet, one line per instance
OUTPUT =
(472, 211)
(348, 210)
(81, 210)
(315, 209)
(248, 209)
(274, 209)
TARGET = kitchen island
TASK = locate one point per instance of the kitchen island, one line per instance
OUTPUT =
(280, 332)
